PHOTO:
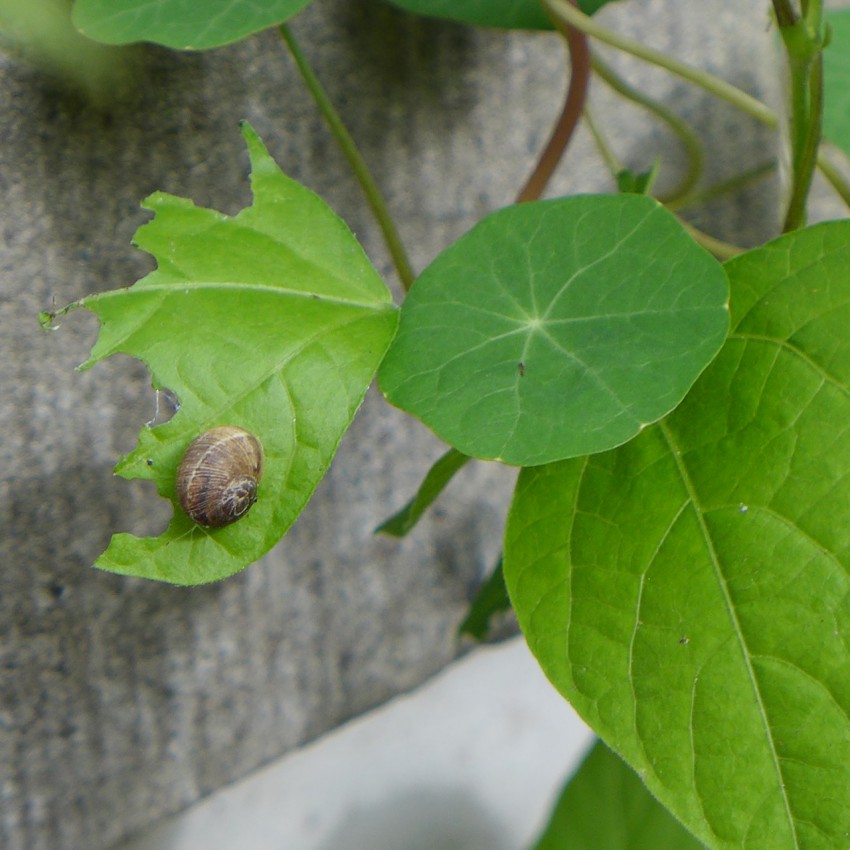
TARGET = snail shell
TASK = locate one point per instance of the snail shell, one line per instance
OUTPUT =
(218, 476)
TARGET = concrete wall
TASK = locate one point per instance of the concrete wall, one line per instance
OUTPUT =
(122, 700)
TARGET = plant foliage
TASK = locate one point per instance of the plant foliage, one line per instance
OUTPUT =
(507, 14)
(605, 805)
(836, 73)
(490, 601)
(678, 546)
(689, 592)
(557, 328)
(438, 477)
(273, 320)
(182, 24)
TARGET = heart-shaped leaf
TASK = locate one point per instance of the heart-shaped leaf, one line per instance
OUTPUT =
(274, 321)
(605, 805)
(689, 592)
(507, 14)
(182, 24)
(557, 328)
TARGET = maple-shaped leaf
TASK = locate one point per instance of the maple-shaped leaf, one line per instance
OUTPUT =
(274, 321)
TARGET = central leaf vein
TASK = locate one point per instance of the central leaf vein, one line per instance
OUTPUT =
(733, 619)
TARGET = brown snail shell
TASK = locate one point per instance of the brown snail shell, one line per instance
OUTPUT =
(218, 476)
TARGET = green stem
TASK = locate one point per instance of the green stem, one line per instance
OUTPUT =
(803, 42)
(786, 14)
(721, 250)
(573, 105)
(566, 13)
(569, 15)
(723, 187)
(806, 157)
(685, 133)
(612, 163)
(701, 196)
(355, 160)
(834, 176)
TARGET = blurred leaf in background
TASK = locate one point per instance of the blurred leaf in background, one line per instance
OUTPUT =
(41, 32)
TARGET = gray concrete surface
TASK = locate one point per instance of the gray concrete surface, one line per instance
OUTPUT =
(473, 759)
(121, 700)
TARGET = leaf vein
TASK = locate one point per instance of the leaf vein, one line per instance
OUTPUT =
(733, 619)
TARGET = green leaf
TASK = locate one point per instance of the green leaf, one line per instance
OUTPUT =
(605, 805)
(836, 80)
(439, 475)
(689, 592)
(491, 599)
(635, 183)
(182, 24)
(273, 320)
(557, 328)
(507, 14)
(590, 7)
(42, 31)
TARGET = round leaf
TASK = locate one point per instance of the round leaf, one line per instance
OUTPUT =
(557, 328)
(182, 24)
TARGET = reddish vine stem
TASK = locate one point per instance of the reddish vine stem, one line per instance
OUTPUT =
(573, 107)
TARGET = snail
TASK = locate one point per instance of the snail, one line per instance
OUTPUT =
(218, 476)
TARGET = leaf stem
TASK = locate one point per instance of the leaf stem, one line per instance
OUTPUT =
(803, 41)
(836, 179)
(569, 15)
(722, 250)
(786, 16)
(700, 196)
(579, 51)
(605, 151)
(685, 133)
(355, 160)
